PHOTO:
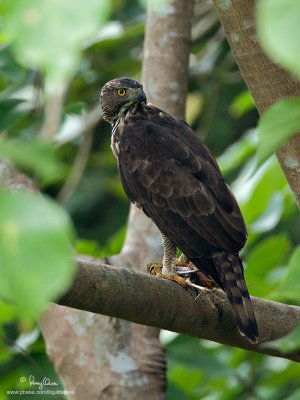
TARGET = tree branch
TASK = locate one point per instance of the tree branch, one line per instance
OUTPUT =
(147, 300)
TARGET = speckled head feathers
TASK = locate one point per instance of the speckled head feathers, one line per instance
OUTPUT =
(119, 96)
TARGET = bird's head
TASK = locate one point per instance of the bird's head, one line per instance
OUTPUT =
(119, 96)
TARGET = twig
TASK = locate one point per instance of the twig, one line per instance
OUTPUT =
(53, 110)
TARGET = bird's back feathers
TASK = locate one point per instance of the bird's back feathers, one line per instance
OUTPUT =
(168, 172)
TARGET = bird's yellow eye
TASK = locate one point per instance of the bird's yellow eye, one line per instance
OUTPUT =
(121, 92)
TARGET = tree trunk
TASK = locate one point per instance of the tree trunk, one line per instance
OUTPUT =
(266, 81)
(106, 358)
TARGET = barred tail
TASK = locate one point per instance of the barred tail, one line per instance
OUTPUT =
(230, 269)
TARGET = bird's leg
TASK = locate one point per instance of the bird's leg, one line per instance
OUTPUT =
(168, 268)
(169, 257)
(181, 270)
(184, 263)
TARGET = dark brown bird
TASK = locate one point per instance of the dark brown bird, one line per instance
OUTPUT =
(171, 175)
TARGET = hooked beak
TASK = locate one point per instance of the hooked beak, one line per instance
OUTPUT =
(142, 97)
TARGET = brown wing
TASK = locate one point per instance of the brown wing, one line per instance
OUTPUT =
(168, 172)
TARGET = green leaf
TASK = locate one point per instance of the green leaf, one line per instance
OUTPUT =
(294, 396)
(267, 254)
(156, 5)
(36, 263)
(7, 312)
(43, 34)
(13, 73)
(277, 125)
(93, 248)
(279, 31)
(36, 156)
(187, 379)
(290, 285)
(241, 104)
(191, 353)
(238, 152)
(9, 112)
(88, 247)
(267, 181)
(115, 242)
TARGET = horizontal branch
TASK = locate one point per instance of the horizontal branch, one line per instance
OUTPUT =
(147, 300)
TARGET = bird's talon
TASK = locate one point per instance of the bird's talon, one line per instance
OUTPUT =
(156, 270)
(176, 278)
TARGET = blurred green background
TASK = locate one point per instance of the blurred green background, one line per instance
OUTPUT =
(81, 174)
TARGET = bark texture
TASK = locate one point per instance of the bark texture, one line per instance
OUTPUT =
(106, 358)
(166, 55)
(266, 81)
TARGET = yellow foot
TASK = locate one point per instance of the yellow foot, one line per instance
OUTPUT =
(156, 270)
(176, 278)
(181, 263)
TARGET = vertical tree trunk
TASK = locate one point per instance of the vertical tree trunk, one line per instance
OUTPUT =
(266, 81)
(166, 56)
(106, 358)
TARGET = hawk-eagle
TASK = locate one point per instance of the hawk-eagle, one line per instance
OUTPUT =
(171, 175)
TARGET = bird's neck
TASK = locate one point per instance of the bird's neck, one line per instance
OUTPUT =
(125, 113)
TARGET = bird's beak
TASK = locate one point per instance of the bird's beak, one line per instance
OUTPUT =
(142, 97)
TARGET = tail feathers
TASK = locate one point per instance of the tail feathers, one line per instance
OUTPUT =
(230, 269)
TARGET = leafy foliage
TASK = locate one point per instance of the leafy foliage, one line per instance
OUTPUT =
(279, 33)
(204, 370)
(35, 156)
(290, 284)
(279, 123)
(33, 230)
(35, 29)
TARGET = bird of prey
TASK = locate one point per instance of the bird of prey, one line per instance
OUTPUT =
(169, 173)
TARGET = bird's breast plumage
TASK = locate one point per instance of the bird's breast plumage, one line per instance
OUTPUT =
(115, 139)
(172, 176)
